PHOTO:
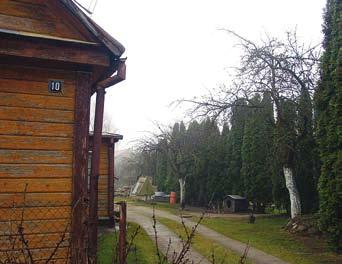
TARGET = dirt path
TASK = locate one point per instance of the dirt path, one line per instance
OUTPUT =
(164, 235)
(255, 255)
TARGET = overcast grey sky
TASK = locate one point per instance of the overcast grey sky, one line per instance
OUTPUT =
(175, 49)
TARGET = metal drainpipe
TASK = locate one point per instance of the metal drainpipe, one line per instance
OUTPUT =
(95, 159)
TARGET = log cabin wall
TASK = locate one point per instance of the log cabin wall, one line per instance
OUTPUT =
(43, 135)
(36, 156)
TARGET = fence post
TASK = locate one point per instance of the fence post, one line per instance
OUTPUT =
(122, 233)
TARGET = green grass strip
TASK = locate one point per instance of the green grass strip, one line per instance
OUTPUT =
(143, 248)
(267, 235)
(203, 245)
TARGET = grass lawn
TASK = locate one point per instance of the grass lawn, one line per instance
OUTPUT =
(267, 235)
(143, 247)
(206, 247)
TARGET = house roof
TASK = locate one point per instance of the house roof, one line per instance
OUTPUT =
(60, 20)
(111, 43)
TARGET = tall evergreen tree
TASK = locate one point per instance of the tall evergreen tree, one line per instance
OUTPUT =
(329, 125)
(305, 164)
(239, 115)
(256, 153)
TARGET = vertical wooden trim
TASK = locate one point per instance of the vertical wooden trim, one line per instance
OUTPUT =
(80, 168)
(94, 177)
(111, 181)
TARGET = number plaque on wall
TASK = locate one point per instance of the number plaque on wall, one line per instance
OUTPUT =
(55, 86)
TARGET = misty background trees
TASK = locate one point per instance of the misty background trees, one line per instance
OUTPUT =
(263, 136)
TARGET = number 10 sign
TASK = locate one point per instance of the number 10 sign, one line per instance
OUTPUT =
(55, 86)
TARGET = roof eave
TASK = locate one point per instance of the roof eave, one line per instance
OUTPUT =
(107, 40)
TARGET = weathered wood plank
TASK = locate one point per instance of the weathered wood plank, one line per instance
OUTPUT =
(35, 185)
(36, 101)
(23, 128)
(36, 74)
(31, 2)
(103, 170)
(35, 171)
(35, 143)
(103, 197)
(36, 241)
(27, 24)
(41, 254)
(22, 9)
(34, 114)
(104, 167)
(103, 205)
(55, 261)
(34, 87)
(103, 190)
(103, 186)
(84, 54)
(35, 156)
(35, 213)
(103, 213)
(37, 226)
(35, 199)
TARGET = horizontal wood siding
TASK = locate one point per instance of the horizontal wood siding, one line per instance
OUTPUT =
(36, 154)
(103, 182)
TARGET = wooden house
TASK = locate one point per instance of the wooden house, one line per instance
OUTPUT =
(106, 177)
(52, 59)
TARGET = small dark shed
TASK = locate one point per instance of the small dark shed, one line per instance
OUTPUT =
(235, 204)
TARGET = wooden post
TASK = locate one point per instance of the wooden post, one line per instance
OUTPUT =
(94, 177)
(122, 233)
(80, 168)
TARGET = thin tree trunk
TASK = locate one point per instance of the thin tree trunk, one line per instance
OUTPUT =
(182, 192)
(293, 191)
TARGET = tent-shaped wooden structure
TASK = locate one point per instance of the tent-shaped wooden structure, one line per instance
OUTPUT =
(106, 177)
(144, 187)
(52, 59)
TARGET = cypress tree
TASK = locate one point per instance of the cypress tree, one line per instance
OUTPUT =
(329, 125)
(306, 173)
(239, 115)
(256, 153)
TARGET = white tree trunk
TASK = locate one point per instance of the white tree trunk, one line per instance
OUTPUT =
(182, 191)
(293, 191)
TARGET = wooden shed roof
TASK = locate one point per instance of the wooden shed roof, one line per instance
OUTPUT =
(235, 197)
(108, 135)
(60, 20)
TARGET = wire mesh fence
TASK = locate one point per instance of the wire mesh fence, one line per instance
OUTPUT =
(35, 232)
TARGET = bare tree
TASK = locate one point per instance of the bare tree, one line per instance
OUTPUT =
(283, 69)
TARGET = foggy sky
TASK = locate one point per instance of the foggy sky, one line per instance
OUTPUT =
(175, 49)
